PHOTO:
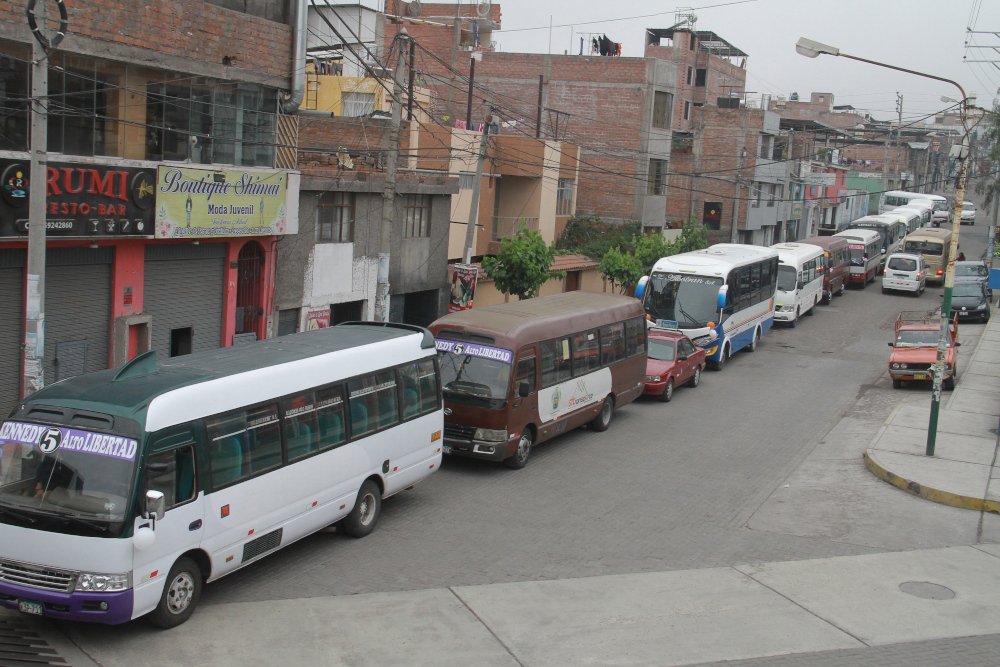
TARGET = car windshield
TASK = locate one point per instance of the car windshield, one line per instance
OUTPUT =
(474, 371)
(662, 349)
(691, 301)
(968, 289)
(787, 278)
(975, 270)
(918, 338)
(65, 479)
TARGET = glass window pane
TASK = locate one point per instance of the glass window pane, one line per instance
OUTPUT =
(330, 416)
(299, 425)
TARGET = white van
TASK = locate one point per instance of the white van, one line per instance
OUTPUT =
(905, 272)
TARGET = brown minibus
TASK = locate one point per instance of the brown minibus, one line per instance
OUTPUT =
(836, 264)
(518, 374)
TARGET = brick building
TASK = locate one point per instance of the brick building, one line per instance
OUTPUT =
(147, 103)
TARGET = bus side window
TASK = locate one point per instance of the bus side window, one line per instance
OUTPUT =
(635, 337)
(227, 448)
(612, 343)
(388, 408)
(418, 387)
(330, 416)
(556, 365)
(173, 473)
(525, 372)
(299, 425)
(586, 352)
(265, 438)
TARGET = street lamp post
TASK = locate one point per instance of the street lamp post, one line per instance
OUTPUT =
(813, 49)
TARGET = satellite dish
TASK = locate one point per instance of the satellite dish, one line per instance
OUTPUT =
(484, 8)
(413, 8)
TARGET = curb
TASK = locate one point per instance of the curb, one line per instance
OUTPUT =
(928, 493)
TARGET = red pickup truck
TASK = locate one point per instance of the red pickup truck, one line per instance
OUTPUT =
(914, 349)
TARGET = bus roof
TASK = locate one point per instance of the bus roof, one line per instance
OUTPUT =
(861, 235)
(715, 260)
(912, 195)
(566, 311)
(794, 253)
(127, 391)
(930, 234)
(826, 242)
(875, 220)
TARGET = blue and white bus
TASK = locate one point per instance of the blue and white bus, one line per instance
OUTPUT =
(123, 491)
(722, 297)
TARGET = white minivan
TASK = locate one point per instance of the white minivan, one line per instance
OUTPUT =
(905, 272)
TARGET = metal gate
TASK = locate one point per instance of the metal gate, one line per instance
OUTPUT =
(184, 289)
(249, 291)
(11, 327)
(77, 311)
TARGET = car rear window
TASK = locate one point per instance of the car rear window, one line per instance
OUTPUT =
(903, 264)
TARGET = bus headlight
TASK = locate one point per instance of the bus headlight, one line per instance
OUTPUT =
(491, 434)
(92, 582)
(786, 308)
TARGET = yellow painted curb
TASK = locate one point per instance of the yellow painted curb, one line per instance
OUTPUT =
(934, 495)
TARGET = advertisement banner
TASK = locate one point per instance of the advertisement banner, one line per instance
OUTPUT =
(317, 319)
(463, 287)
(92, 200)
(199, 203)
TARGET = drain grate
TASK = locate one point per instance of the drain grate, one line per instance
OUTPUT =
(22, 647)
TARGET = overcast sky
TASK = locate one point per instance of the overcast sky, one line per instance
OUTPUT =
(924, 35)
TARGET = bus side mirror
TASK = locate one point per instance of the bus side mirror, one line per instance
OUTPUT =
(640, 287)
(523, 389)
(155, 504)
(721, 299)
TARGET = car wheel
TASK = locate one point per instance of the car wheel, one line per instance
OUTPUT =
(885, 291)
(180, 594)
(521, 454)
(367, 509)
(603, 419)
(668, 391)
(896, 384)
(986, 316)
(949, 383)
(696, 378)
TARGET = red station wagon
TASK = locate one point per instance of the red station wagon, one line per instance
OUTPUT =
(672, 360)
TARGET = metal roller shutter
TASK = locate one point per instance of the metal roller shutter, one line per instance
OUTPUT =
(77, 311)
(184, 287)
(11, 327)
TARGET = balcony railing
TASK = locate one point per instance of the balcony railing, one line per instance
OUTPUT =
(506, 227)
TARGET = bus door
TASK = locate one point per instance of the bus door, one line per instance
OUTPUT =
(170, 467)
(524, 392)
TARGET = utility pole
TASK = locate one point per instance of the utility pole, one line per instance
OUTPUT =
(899, 132)
(389, 191)
(470, 228)
(33, 358)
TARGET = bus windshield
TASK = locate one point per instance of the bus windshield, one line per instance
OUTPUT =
(787, 278)
(65, 479)
(857, 255)
(689, 300)
(479, 373)
(924, 247)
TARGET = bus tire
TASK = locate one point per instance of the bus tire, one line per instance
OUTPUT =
(812, 311)
(520, 456)
(601, 422)
(721, 363)
(843, 288)
(795, 322)
(367, 509)
(180, 594)
(752, 347)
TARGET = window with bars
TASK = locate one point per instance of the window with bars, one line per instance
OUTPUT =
(564, 196)
(417, 223)
(335, 218)
(657, 179)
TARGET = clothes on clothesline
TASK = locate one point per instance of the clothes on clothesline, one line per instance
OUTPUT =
(604, 46)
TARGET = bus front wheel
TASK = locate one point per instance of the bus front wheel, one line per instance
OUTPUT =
(723, 355)
(180, 594)
(520, 456)
(367, 509)
(603, 418)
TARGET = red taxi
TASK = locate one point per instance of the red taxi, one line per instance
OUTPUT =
(672, 360)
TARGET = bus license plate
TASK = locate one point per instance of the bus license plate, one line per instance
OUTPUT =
(446, 449)
(29, 607)
(919, 376)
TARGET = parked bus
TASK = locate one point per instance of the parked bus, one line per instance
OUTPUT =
(722, 297)
(935, 245)
(865, 249)
(896, 198)
(887, 228)
(123, 491)
(800, 281)
(909, 218)
(518, 374)
(925, 209)
(836, 265)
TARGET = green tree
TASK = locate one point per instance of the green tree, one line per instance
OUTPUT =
(693, 237)
(621, 269)
(989, 184)
(522, 264)
(651, 247)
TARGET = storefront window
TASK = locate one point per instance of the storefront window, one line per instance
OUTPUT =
(15, 93)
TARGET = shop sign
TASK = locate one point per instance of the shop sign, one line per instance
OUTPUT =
(317, 319)
(80, 199)
(199, 203)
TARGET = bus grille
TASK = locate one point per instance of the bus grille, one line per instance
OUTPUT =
(35, 576)
(459, 433)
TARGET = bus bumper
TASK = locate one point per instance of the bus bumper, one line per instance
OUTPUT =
(475, 449)
(106, 608)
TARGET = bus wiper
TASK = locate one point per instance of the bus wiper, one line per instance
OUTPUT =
(690, 319)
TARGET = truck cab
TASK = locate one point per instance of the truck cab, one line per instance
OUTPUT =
(914, 349)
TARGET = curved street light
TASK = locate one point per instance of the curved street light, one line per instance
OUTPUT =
(813, 49)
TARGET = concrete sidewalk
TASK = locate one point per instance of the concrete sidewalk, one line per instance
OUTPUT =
(964, 470)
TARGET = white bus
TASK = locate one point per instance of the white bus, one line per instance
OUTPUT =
(896, 198)
(123, 491)
(722, 297)
(800, 281)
